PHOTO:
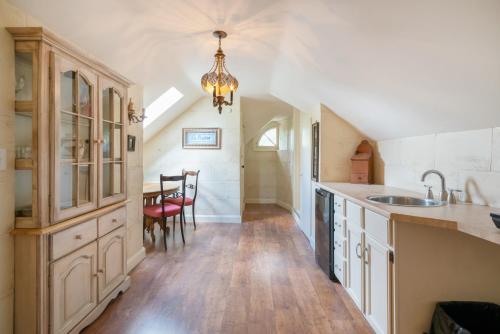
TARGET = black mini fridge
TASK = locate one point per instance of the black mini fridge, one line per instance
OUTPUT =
(324, 231)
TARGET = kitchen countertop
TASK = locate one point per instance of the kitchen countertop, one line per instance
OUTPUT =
(471, 219)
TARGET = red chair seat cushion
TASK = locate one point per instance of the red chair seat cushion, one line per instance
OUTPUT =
(155, 211)
(178, 201)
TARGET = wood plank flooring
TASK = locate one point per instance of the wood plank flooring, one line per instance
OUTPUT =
(257, 277)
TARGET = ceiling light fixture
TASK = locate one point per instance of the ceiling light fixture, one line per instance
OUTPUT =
(218, 81)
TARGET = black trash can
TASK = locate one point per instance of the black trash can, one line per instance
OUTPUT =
(466, 318)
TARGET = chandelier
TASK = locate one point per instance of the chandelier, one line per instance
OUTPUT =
(218, 81)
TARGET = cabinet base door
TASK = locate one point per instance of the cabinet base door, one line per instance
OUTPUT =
(73, 288)
(377, 285)
(355, 265)
(112, 261)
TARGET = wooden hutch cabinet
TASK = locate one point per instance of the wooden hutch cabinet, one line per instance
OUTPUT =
(70, 233)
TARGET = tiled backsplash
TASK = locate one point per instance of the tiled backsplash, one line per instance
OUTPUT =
(470, 160)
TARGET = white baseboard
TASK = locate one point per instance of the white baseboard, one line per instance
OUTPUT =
(135, 259)
(232, 219)
(285, 205)
(260, 200)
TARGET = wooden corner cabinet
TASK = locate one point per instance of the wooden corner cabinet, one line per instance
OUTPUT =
(70, 229)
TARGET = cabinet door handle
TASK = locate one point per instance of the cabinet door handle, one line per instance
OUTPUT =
(367, 257)
(358, 251)
(78, 237)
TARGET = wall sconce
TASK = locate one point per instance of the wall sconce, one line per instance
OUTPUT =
(132, 117)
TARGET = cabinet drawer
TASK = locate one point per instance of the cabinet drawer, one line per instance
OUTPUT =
(377, 227)
(339, 269)
(339, 225)
(66, 241)
(359, 178)
(339, 205)
(353, 213)
(339, 244)
(112, 220)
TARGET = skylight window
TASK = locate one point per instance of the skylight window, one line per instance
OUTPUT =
(162, 104)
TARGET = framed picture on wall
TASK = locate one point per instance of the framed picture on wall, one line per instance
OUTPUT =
(130, 143)
(315, 152)
(201, 138)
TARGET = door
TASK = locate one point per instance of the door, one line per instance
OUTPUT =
(306, 197)
(355, 264)
(377, 285)
(73, 290)
(73, 139)
(112, 266)
(112, 139)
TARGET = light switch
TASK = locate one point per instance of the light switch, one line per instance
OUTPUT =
(3, 159)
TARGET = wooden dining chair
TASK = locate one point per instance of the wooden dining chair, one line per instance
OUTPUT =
(188, 201)
(163, 210)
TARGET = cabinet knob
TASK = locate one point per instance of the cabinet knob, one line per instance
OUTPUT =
(78, 237)
(101, 271)
(114, 220)
(98, 141)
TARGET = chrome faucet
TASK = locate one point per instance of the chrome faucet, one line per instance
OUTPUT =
(444, 193)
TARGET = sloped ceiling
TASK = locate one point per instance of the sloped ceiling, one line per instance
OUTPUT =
(392, 68)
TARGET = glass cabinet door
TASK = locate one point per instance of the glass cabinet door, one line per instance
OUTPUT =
(75, 135)
(112, 153)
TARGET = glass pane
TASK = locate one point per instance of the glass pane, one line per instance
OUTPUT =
(106, 105)
(106, 180)
(24, 75)
(84, 135)
(24, 135)
(67, 186)
(106, 146)
(68, 83)
(269, 138)
(117, 178)
(117, 142)
(68, 131)
(84, 184)
(23, 193)
(85, 91)
(117, 107)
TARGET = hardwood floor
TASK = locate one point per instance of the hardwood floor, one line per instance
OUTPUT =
(257, 277)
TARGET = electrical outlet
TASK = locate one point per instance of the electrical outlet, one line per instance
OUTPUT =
(3, 159)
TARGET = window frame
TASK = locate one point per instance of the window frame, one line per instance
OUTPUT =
(262, 133)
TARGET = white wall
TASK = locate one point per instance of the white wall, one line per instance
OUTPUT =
(135, 251)
(470, 160)
(219, 181)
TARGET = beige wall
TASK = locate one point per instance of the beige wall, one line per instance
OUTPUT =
(470, 160)
(268, 174)
(135, 251)
(219, 181)
(338, 142)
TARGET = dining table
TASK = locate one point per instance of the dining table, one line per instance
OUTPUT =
(150, 193)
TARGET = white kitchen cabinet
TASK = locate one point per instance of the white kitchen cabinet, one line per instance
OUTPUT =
(73, 288)
(376, 258)
(355, 264)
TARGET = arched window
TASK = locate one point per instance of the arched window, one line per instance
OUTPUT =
(268, 140)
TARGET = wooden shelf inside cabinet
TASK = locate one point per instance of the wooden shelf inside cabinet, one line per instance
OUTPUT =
(24, 106)
(24, 164)
(24, 221)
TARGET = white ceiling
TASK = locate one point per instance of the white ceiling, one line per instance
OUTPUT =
(392, 68)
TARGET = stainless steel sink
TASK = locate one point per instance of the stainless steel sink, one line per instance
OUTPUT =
(405, 201)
